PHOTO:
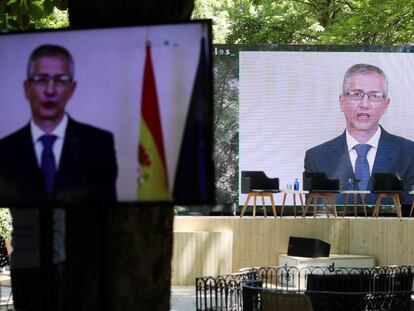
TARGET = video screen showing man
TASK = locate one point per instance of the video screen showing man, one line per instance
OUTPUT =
(52, 159)
(365, 147)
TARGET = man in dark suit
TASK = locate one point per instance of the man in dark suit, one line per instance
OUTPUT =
(364, 100)
(52, 161)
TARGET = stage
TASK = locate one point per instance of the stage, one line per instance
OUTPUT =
(214, 245)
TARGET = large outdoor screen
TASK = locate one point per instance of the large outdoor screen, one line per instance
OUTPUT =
(147, 88)
(290, 102)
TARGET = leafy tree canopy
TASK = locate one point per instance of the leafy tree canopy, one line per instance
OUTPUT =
(261, 21)
(310, 21)
(31, 14)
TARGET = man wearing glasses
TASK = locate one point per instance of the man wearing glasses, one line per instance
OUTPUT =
(52, 160)
(364, 147)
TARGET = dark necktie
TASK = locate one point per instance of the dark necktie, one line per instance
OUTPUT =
(47, 162)
(362, 166)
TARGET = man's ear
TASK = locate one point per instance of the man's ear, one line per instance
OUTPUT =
(73, 87)
(385, 104)
(26, 87)
(341, 102)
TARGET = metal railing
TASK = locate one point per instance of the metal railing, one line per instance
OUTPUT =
(222, 292)
(329, 288)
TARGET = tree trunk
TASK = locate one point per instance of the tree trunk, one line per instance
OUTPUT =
(141, 251)
(137, 240)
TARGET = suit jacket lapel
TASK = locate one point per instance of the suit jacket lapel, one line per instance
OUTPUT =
(69, 161)
(386, 153)
(27, 153)
(340, 160)
(27, 168)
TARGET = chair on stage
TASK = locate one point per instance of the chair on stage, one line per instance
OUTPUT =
(257, 184)
(320, 186)
(387, 185)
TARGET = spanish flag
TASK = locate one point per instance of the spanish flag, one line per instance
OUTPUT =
(153, 178)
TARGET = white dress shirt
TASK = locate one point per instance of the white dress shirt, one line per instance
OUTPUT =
(59, 132)
(373, 142)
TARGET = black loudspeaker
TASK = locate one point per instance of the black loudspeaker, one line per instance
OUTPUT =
(306, 247)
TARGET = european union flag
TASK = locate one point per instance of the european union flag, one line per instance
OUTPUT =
(194, 182)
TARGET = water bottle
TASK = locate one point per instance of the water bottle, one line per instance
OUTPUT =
(350, 184)
(296, 184)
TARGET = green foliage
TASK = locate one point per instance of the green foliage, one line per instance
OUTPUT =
(283, 22)
(31, 14)
(226, 127)
(57, 19)
(5, 223)
(375, 22)
(310, 21)
(215, 10)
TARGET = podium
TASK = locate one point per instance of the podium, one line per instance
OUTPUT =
(334, 260)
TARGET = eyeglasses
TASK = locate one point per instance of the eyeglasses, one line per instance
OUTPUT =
(58, 80)
(372, 96)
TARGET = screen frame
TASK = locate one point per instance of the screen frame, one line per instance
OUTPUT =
(207, 26)
(226, 51)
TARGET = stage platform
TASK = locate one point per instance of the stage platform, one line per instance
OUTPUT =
(214, 245)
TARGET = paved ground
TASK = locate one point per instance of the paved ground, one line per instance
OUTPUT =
(183, 298)
(6, 301)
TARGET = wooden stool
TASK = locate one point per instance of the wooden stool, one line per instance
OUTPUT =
(294, 193)
(395, 198)
(259, 194)
(355, 193)
(324, 195)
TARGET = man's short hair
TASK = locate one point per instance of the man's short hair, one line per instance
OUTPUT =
(363, 68)
(50, 50)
